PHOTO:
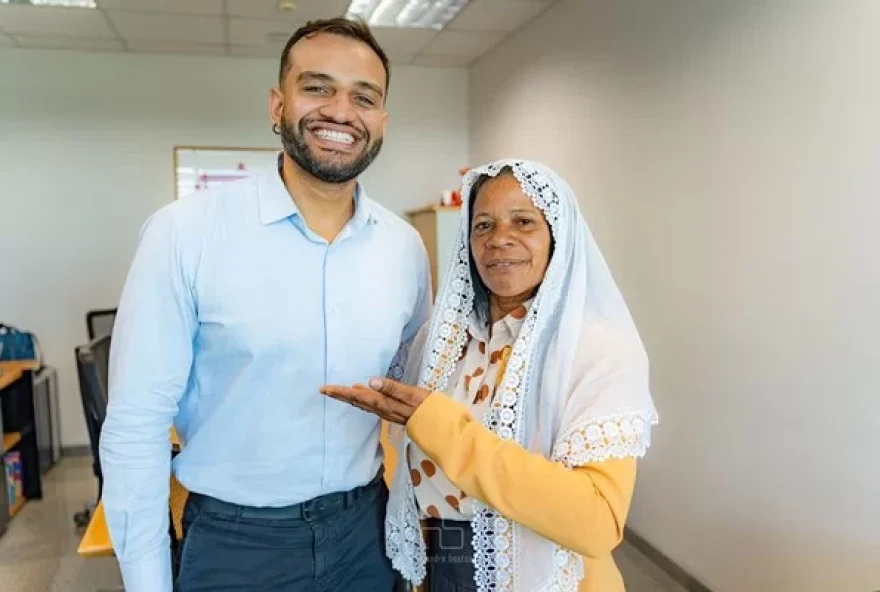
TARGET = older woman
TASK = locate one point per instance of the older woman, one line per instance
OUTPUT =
(529, 407)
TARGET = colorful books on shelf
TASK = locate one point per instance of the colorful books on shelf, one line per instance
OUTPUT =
(12, 460)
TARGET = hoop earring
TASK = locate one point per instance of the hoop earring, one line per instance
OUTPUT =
(276, 130)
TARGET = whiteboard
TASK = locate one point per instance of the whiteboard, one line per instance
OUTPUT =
(199, 168)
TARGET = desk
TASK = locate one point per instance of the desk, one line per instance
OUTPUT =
(12, 371)
(96, 540)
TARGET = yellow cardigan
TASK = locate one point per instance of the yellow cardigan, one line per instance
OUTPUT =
(582, 509)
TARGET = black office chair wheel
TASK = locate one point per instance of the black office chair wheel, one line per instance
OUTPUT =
(81, 519)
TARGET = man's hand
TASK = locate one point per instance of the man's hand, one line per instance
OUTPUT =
(384, 397)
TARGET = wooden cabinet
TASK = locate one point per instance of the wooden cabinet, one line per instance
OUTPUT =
(438, 226)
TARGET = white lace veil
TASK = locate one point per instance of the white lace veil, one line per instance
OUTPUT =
(539, 404)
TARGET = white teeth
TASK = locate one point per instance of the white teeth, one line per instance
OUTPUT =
(334, 136)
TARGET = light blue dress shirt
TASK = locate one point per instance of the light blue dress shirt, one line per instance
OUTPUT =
(233, 315)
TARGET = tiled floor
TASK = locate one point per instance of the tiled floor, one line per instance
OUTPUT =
(38, 551)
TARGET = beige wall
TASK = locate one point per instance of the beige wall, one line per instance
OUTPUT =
(727, 155)
(86, 155)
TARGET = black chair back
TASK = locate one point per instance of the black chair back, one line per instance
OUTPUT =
(91, 368)
(100, 347)
(100, 322)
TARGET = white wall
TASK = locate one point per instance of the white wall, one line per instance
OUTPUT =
(726, 154)
(86, 155)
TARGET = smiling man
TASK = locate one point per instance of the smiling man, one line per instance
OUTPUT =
(240, 304)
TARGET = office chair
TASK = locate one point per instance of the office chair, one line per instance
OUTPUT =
(94, 405)
(100, 322)
(94, 401)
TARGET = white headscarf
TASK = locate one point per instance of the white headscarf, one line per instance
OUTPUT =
(604, 414)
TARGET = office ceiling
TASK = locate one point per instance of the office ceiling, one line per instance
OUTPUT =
(249, 28)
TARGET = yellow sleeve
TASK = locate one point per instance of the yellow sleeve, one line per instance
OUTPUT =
(582, 509)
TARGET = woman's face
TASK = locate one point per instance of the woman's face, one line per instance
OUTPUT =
(510, 239)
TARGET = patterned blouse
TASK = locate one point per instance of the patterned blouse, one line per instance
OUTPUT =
(476, 377)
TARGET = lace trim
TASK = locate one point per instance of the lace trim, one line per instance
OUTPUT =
(567, 573)
(621, 436)
(398, 362)
(493, 543)
(404, 543)
(496, 553)
(448, 334)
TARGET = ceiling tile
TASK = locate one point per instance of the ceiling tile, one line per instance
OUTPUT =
(48, 21)
(405, 41)
(193, 29)
(401, 59)
(306, 9)
(199, 7)
(444, 61)
(83, 43)
(260, 33)
(498, 15)
(463, 43)
(176, 47)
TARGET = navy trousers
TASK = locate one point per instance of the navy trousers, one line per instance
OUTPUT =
(450, 556)
(333, 543)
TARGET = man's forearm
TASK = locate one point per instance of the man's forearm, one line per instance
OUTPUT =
(135, 459)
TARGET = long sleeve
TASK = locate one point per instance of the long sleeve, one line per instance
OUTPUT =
(582, 509)
(151, 354)
(420, 315)
(422, 311)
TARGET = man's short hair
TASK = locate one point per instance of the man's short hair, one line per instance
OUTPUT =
(351, 28)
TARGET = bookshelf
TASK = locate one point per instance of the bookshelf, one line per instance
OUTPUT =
(10, 440)
(19, 432)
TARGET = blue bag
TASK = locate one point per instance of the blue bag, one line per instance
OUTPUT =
(18, 345)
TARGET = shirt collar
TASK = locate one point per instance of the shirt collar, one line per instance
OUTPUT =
(510, 324)
(277, 204)
(364, 213)
(515, 319)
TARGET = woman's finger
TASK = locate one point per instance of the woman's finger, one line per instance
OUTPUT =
(369, 407)
(359, 396)
(369, 400)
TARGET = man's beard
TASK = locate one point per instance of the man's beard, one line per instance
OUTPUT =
(294, 142)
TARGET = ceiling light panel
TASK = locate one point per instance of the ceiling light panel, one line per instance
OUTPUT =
(62, 3)
(413, 14)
